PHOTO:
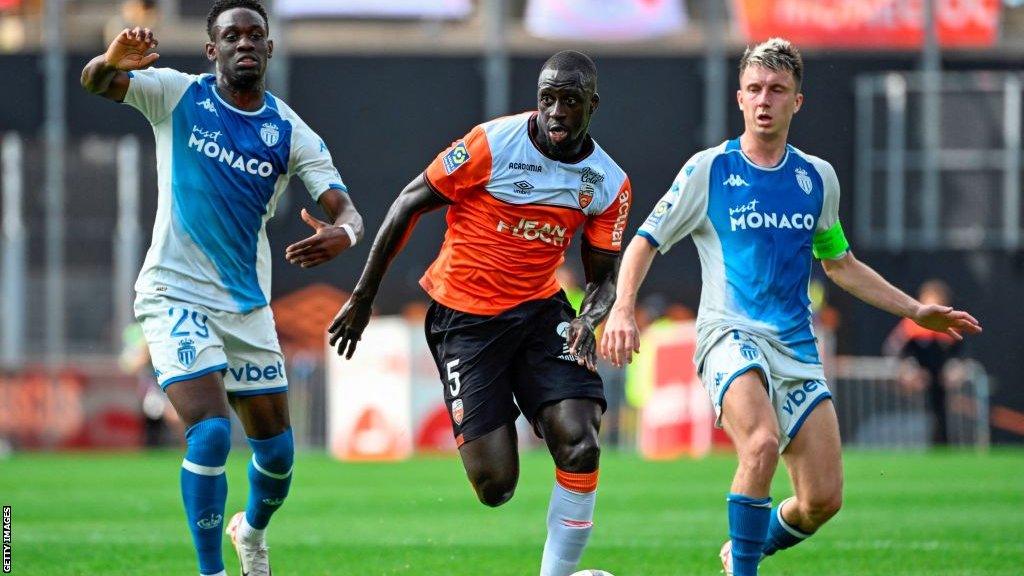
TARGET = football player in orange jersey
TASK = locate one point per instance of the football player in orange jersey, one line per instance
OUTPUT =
(502, 334)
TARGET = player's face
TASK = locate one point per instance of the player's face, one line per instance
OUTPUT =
(564, 105)
(768, 99)
(240, 47)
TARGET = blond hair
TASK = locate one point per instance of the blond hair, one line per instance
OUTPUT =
(775, 54)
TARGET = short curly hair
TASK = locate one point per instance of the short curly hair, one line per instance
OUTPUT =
(221, 6)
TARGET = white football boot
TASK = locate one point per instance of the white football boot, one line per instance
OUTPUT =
(725, 554)
(253, 556)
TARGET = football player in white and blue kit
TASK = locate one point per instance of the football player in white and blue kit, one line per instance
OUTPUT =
(226, 149)
(758, 209)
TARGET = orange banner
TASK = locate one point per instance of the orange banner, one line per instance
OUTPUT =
(868, 24)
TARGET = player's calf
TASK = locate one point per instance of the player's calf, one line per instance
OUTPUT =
(494, 489)
(812, 512)
(492, 464)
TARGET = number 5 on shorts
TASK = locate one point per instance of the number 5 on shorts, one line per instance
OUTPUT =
(454, 384)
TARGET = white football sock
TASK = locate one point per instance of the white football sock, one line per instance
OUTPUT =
(570, 519)
(247, 533)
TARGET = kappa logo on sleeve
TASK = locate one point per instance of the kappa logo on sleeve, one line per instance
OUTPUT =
(456, 157)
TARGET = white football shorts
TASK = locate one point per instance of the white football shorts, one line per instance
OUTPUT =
(794, 387)
(189, 340)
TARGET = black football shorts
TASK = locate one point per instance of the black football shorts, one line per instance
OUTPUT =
(493, 367)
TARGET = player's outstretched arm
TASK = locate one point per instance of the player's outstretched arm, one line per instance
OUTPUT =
(416, 199)
(863, 282)
(328, 240)
(621, 336)
(600, 268)
(107, 74)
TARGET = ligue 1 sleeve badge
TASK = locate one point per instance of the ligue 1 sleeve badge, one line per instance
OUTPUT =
(455, 157)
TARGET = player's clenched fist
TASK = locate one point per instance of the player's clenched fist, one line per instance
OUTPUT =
(129, 49)
(621, 337)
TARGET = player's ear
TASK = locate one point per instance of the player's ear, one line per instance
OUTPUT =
(799, 102)
(739, 99)
(211, 51)
(270, 48)
(595, 100)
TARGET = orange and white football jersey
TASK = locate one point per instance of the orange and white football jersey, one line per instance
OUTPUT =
(513, 214)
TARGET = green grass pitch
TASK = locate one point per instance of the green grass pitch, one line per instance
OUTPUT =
(940, 513)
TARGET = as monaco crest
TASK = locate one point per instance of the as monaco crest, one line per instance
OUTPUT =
(804, 180)
(457, 411)
(270, 134)
(186, 352)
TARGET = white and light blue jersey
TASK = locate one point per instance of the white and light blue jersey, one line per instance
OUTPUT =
(754, 228)
(220, 172)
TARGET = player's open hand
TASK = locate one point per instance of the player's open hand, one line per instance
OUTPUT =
(129, 49)
(582, 343)
(348, 325)
(621, 337)
(326, 242)
(945, 319)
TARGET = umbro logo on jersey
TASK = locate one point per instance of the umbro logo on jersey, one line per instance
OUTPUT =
(523, 187)
(735, 180)
(208, 106)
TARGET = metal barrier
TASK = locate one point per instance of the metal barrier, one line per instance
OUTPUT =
(877, 409)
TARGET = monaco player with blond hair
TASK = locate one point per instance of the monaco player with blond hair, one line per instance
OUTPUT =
(758, 210)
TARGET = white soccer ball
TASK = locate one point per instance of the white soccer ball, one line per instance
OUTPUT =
(592, 573)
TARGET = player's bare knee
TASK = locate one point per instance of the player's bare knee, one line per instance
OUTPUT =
(494, 492)
(820, 509)
(760, 453)
(579, 455)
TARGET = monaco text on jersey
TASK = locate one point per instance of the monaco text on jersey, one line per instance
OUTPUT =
(206, 142)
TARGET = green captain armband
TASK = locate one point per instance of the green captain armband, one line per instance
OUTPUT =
(831, 243)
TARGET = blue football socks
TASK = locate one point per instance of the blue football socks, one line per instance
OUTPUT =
(204, 488)
(748, 528)
(780, 534)
(270, 475)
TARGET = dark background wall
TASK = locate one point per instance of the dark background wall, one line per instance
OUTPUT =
(384, 118)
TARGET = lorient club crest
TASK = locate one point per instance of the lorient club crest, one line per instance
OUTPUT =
(586, 195)
(457, 411)
(269, 133)
(804, 180)
(588, 179)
